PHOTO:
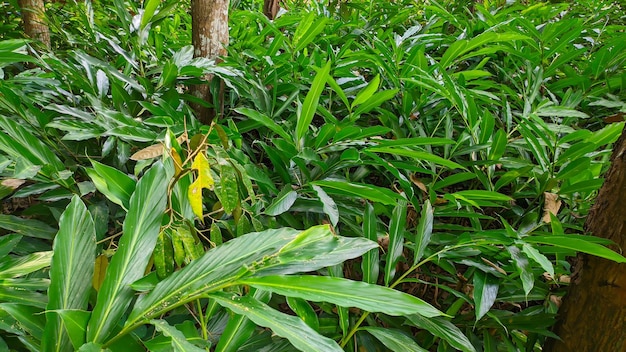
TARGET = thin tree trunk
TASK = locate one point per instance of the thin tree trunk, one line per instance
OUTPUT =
(33, 14)
(592, 317)
(209, 22)
(270, 8)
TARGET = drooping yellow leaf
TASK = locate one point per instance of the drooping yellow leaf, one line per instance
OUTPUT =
(203, 180)
(102, 262)
(178, 162)
(551, 205)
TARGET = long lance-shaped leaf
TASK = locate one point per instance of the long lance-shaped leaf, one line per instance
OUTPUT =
(271, 252)
(140, 232)
(239, 327)
(71, 271)
(301, 336)
(423, 232)
(213, 270)
(396, 240)
(310, 102)
(344, 293)
(370, 263)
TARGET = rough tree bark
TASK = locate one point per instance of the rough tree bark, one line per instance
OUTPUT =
(270, 8)
(209, 22)
(33, 18)
(592, 317)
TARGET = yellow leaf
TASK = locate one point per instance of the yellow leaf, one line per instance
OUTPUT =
(102, 262)
(178, 163)
(203, 180)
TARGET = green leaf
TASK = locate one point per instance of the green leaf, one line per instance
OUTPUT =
(29, 318)
(523, 268)
(128, 264)
(539, 258)
(11, 267)
(423, 231)
(210, 272)
(303, 309)
(27, 227)
(114, 184)
(150, 7)
(370, 261)
(307, 30)
(71, 272)
(283, 201)
(328, 205)
(485, 292)
(394, 340)
(418, 155)
(344, 293)
(75, 322)
(397, 228)
(265, 121)
(292, 328)
(366, 92)
(239, 328)
(375, 101)
(443, 329)
(229, 190)
(179, 341)
(577, 244)
(309, 107)
(373, 193)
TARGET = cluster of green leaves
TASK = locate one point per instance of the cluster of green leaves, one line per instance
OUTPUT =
(452, 152)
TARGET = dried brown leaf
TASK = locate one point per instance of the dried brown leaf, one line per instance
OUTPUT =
(551, 205)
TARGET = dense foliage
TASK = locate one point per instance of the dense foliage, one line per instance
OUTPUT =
(381, 175)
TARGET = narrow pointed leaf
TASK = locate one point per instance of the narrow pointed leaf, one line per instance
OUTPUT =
(203, 180)
(309, 107)
(443, 329)
(71, 272)
(114, 184)
(366, 92)
(179, 341)
(75, 322)
(373, 193)
(523, 268)
(328, 205)
(344, 293)
(577, 244)
(394, 340)
(423, 232)
(239, 328)
(283, 201)
(292, 328)
(140, 232)
(485, 292)
(397, 228)
(213, 270)
(370, 262)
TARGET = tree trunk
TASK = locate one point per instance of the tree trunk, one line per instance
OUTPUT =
(592, 317)
(209, 22)
(270, 8)
(33, 14)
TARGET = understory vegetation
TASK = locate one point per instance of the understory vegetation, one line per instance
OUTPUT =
(379, 176)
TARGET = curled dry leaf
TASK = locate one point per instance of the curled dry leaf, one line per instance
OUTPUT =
(551, 205)
(155, 150)
(416, 181)
(12, 183)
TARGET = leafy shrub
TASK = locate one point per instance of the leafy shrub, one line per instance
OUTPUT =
(466, 142)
